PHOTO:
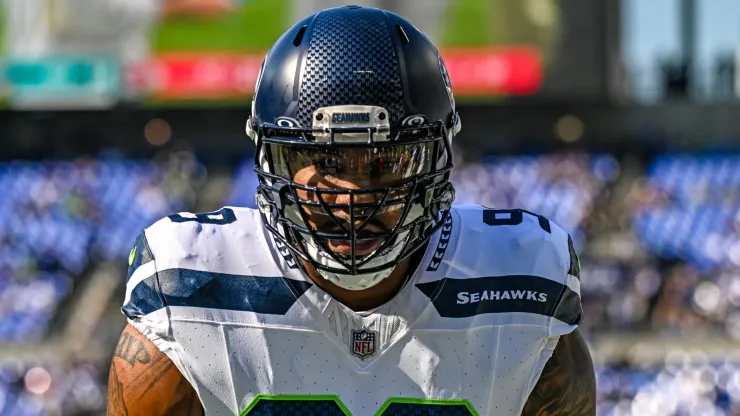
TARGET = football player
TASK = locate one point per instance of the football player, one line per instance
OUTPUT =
(355, 288)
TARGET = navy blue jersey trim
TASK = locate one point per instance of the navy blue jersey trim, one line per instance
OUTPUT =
(569, 309)
(144, 299)
(184, 287)
(223, 216)
(575, 263)
(463, 298)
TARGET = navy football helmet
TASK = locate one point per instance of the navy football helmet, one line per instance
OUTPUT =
(353, 118)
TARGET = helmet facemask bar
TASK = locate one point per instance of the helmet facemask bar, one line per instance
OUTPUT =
(351, 232)
(293, 239)
(425, 197)
(312, 212)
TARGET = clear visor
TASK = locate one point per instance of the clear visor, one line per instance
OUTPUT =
(360, 188)
(352, 167)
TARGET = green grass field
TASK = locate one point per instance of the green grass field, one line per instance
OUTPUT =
(259, 23)
(469, 24)
(254, 27)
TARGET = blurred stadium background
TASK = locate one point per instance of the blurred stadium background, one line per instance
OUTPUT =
(619, 120)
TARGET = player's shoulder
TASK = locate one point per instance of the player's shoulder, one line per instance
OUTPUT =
(495, 223)
(186, 224)
(504, 260)
(201, 235)
(221, 241)
(512, 241)
(203, 260)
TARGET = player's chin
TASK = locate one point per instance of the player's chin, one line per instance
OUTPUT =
(362, 248)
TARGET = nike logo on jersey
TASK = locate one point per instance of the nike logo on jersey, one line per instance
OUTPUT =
(467, 297)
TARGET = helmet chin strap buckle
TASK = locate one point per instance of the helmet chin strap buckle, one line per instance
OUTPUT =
(445, 202)
(277, 190)
(433, 204)
(262, 204)
(266, 208)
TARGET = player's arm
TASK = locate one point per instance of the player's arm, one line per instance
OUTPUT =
(567, 385)
(144, 381)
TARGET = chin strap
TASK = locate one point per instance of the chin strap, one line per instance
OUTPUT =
(345, 281)
(357, 281)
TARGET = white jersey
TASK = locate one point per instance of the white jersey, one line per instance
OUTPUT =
(470, 331)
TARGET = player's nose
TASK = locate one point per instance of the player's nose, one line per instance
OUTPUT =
(360, 213)
(359, 198)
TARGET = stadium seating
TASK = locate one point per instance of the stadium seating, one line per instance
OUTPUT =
(561, 188)
(32, 388)
(57, 217)
(686, 384)
(694, 215)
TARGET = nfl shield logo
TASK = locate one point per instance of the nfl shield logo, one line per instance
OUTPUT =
(363, 343)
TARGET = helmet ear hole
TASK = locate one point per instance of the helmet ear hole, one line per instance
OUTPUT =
(402, 34)
(299, 36)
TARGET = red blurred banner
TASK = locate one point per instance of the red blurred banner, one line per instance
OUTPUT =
(478, 72)
(196, 76)
(489, 71)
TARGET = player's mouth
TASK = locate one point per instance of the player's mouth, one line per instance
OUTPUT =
(362, 248)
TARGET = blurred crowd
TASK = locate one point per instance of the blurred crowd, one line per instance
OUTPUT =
(41, 388)
(58, 217)
(686, 384)
(57, 220)
(660, 245)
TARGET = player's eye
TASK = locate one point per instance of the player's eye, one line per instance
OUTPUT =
(328, 165)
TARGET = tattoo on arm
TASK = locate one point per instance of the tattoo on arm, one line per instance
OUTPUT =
(144, 381)
(125, 351)
(567, 385)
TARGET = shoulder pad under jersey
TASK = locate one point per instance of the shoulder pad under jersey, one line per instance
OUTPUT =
(514, 255)
(219, 260)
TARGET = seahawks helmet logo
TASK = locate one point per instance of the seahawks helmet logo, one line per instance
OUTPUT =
(415, 120)
(286, 122)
